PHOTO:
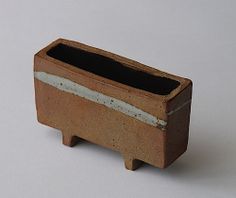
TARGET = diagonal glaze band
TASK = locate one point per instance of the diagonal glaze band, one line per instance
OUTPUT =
(69, 86)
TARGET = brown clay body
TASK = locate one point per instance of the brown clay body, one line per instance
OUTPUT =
(110, 105)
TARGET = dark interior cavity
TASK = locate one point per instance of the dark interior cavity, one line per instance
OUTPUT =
(113, 70)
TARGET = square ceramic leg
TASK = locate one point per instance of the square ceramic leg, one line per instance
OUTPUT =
(131, 163)
(68, 139)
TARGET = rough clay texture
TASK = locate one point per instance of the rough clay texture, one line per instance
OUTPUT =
(79, 118)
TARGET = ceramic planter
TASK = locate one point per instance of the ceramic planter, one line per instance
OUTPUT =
(112, 101)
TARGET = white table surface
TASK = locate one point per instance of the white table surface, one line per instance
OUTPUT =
(195, 39)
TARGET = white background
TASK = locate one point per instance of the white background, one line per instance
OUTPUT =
(195, 39)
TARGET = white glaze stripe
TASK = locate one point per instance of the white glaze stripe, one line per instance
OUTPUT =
(178, 108)
(110, 102)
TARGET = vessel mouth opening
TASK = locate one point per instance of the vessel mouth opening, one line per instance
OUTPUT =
(112, 69)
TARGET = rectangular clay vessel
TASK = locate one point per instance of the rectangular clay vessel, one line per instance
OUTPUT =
(112, 101)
